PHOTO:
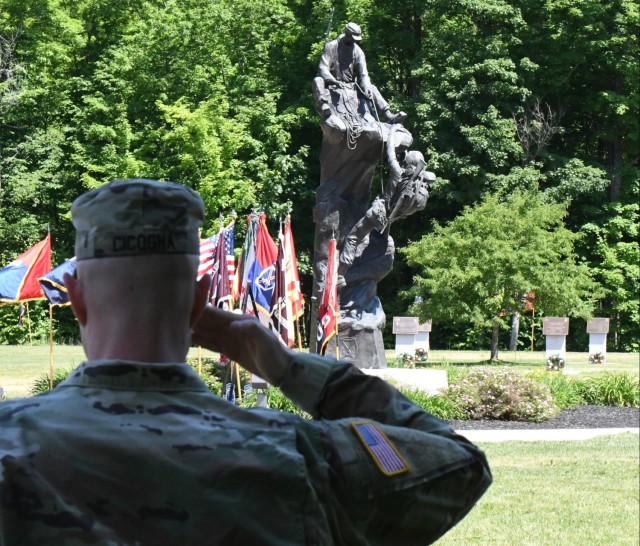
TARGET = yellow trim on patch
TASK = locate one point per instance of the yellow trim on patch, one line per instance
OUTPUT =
(405, 466)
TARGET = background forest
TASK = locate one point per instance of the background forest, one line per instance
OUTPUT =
(503, 97)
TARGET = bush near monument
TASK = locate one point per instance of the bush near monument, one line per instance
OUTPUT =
(503, 394)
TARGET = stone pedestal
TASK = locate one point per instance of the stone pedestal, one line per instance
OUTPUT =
(598, 328)
(430, 381)
(556, 330)
(410, 335)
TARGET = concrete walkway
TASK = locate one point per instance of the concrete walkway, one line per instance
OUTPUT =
(540, 435)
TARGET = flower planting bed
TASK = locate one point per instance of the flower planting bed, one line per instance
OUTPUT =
(581, 417)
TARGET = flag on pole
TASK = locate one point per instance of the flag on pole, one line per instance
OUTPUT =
(262, 275)
(292, 278)
(208, 248)
(53, 283)
(19, 280)
(245, 264)
(529, 298)
(207, 252)
(220, 287)
(229, 246)
(280, 305)
(328, 310)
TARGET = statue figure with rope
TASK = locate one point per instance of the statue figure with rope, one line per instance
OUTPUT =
(344, 93)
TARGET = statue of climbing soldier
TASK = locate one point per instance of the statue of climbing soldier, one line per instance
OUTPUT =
(359, 132)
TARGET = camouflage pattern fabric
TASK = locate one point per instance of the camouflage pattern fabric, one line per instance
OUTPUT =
(135, 453)
(136, 217)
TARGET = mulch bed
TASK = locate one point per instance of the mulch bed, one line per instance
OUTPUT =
(581, 417)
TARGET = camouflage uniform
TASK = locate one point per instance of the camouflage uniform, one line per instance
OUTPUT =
(135, 453)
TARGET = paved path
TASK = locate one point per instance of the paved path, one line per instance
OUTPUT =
(539, 435)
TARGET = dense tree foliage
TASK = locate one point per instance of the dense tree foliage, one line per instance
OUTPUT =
(479, 268)
(502, 97)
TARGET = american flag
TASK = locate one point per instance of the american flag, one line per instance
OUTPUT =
(208, 250)
(383, 452)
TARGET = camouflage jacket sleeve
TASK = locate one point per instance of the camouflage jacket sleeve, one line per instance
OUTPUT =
(443, 475)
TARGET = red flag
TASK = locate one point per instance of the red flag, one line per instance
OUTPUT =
(19, 280)
(328, 310)
(266, 249)
(292, 278)
(528, 301)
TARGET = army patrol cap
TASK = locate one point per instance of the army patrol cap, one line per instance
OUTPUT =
(137, 217)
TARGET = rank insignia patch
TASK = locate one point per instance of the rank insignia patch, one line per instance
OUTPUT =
(383, 452)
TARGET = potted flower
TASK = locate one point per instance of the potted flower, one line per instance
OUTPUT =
(555, 363)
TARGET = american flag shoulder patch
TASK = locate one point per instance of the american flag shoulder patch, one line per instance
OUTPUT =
(383, 452)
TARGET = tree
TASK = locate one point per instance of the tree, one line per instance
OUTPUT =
(612, 238)
(477, 268)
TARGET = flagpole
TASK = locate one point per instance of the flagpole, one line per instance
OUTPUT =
(26, 303)
(336, 334)
(533, 325)
(297, 327)
(238, 381)
(50, 347)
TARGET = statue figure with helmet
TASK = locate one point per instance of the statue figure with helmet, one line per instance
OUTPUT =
(359, 130)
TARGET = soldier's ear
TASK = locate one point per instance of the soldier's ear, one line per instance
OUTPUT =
(76, 297)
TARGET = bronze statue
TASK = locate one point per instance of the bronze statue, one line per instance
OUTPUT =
(359, 130)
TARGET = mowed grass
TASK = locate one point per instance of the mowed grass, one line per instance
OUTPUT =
(21, 365)
(527, 360)
(582, 493)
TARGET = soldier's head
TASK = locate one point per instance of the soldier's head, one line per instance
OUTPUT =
(352, 33)
(137, 246)
(413, 163)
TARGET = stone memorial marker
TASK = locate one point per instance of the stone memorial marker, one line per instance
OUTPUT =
(597, 328)
(422, 337)
(405, 329)
(556, 330)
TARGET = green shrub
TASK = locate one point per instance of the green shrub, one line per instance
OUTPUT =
(214, 374)
(439, 405)
(42, 385)
(611, 389)
(566, 392)
(502, 394)
(278, 401)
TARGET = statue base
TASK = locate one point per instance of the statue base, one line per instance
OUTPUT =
(363, 348)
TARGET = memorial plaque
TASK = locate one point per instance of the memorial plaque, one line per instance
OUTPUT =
(405, 325)
(598, 326)
(424, 327)
(555, 326)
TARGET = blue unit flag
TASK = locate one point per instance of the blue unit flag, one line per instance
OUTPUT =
(53, 284)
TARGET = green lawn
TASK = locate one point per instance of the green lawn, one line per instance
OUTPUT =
(582, 493)
(527, 360)
(21, 365)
